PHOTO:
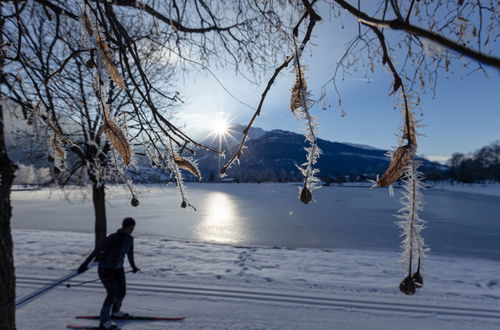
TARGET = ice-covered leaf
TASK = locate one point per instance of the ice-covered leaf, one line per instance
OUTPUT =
(400, 159)
(116, 137)
(106, 58)
(299, 90)
(187, 165)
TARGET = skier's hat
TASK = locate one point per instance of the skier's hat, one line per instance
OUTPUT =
(128, 222)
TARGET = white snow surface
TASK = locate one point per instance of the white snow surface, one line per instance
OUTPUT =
(223, 286)
(229, 287)
(487, 188)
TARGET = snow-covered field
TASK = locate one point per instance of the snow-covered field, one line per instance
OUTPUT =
(490, 189)
(224, 286)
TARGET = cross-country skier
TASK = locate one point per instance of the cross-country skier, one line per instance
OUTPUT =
(111, 255)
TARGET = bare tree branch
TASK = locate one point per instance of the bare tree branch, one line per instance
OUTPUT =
(417, 31)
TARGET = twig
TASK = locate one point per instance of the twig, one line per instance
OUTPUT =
(73, 54)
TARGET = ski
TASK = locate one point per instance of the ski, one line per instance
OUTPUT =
(85, 327)
(135, 318)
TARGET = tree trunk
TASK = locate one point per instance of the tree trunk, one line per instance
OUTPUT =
(7, 273)
(99, 199)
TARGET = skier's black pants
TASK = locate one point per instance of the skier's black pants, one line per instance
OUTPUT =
(114, 282)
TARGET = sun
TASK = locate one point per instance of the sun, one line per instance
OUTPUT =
(220, 127)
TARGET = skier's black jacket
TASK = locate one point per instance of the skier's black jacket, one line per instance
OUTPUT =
(112, 251)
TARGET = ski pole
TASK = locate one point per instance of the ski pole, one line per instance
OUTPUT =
(32, 296)
(86, 282)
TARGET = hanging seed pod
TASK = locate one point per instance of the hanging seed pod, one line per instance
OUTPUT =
(305, 195)
(134, 202)
(418, 280)
(407, 286)
(417, 277)
(90, 64)
(183, 204)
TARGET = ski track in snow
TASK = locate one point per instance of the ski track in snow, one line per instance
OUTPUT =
(228, 287)
(359, 303)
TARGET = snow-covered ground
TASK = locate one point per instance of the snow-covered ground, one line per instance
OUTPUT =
(240, 286)
(489, 188)
(228, 287)
(486, 188)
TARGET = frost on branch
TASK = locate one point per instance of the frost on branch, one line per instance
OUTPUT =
(174, 163)
(58, 154)
(403, 163)
(411, 225)
(300, 105)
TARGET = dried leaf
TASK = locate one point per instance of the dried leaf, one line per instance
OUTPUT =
(87, 23)
(400, 159)
(58, 149)
(187, 165)
(409, 128)
(305, 195)
(117, 139)
(101, 130)
(107, 59)
(298, 89)
(58, 154)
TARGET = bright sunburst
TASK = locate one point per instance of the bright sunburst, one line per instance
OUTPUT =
(220, 127)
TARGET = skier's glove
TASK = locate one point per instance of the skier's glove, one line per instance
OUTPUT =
(82, 269)
(135, 270)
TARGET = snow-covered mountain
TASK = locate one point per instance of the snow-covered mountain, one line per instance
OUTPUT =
(275, 155)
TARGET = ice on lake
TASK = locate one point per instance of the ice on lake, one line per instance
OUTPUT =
(459, 224)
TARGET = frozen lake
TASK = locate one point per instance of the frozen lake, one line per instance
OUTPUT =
(459, 224)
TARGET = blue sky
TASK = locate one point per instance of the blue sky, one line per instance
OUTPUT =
(463, 116)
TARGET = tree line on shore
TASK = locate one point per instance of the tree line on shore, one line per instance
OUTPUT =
(479, 166)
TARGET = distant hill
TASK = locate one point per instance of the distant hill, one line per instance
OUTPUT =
(274, 156)
(268, 156)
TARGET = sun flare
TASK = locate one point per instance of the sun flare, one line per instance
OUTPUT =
(220, 127)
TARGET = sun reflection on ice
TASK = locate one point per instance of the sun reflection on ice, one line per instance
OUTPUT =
(221, 221)
(220, 209)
